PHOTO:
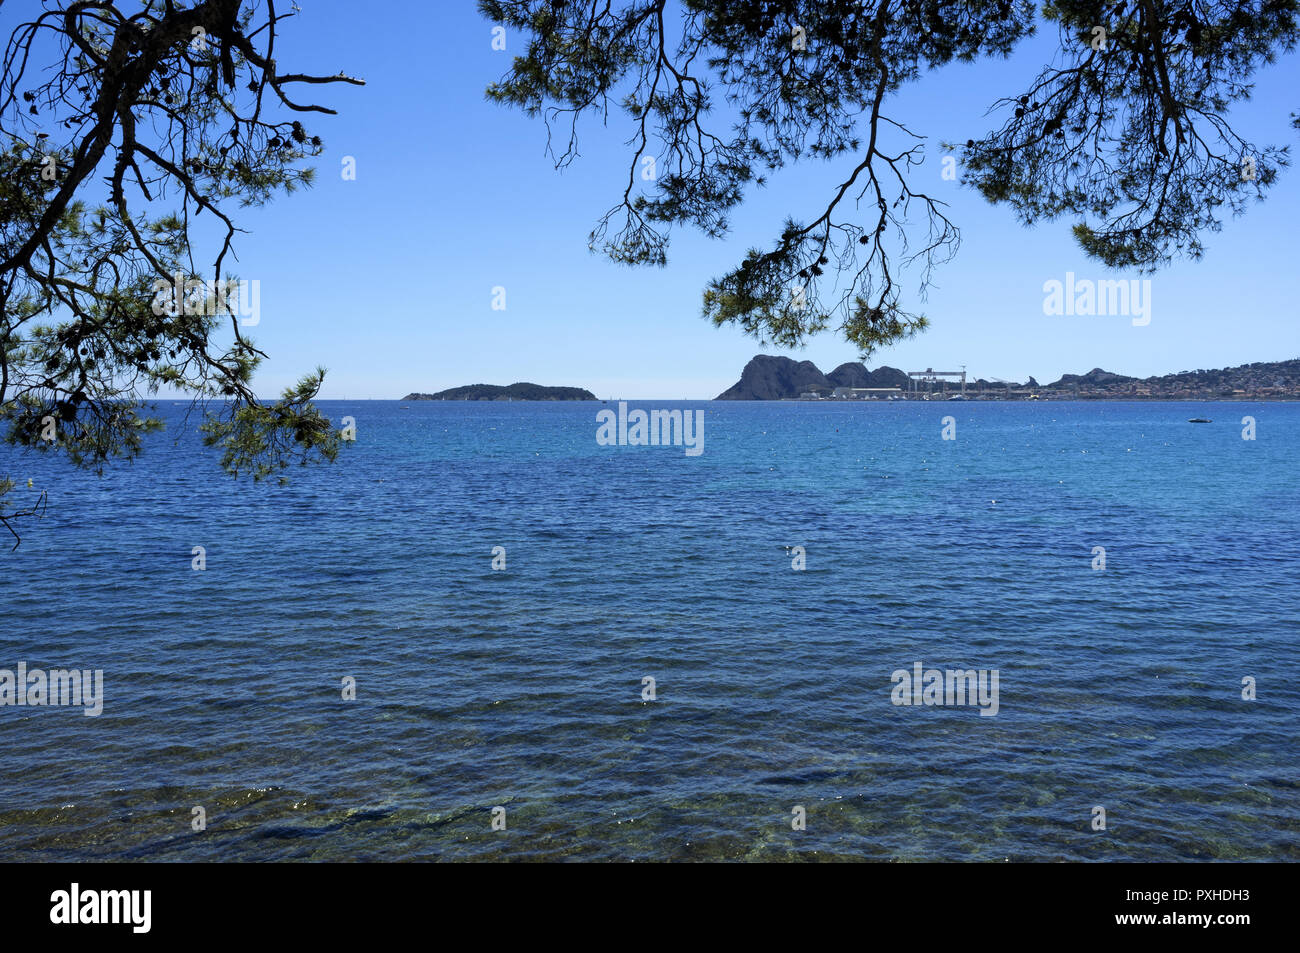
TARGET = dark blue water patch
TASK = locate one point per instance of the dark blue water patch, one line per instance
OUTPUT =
(523, 688)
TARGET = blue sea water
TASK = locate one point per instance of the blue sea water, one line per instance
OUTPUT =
(522, 688)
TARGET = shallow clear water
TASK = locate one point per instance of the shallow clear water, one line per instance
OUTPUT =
(522, 688)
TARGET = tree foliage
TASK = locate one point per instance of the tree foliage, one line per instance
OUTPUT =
(129, 135)
(1130, 138)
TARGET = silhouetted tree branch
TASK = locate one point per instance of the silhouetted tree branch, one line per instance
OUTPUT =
(1132, 141)
(118, 130)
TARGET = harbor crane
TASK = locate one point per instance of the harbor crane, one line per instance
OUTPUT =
(932, 376)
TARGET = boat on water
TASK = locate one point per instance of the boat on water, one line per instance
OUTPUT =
(957, 397)
(1199, 420)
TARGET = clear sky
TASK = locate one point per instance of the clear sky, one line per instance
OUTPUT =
(390, 276)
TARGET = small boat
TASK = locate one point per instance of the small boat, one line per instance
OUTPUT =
(1199, 420)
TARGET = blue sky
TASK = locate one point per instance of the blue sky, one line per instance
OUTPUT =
(387, 280)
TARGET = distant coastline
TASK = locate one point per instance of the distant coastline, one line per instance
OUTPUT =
(769, 377)
(519, 391)
(773, 377)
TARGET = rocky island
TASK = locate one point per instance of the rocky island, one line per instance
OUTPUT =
(519, 391)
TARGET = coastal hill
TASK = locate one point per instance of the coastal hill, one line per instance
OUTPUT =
(520, 391)
(775, 378)
(772, 378)
(767, 377)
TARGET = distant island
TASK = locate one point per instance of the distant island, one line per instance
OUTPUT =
(520, 391)
(769, 377)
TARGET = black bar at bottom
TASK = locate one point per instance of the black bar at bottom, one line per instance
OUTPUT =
(1218, 903)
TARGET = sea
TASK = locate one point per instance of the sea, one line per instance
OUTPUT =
(483, 635)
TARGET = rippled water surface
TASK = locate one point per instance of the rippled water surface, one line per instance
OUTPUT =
(522, 688)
